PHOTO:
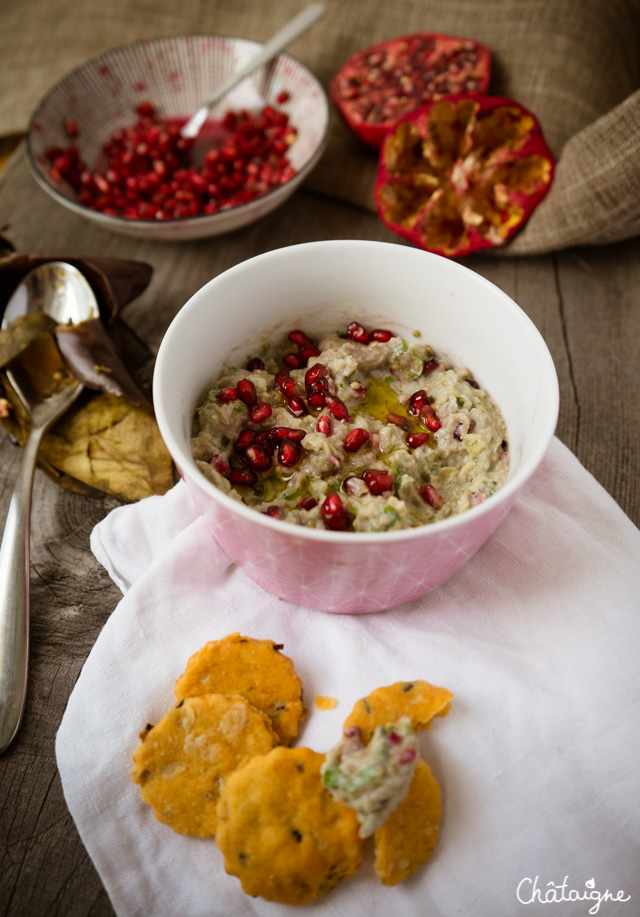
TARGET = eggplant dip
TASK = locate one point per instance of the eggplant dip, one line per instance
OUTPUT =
(363, 431)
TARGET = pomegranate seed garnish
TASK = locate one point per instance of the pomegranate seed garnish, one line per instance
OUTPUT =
(260, 411)
(247, 391)
(394, 738)
(307, 503)
(307, 352)
(414, 440)
(254, 364)
(266, 439)
(356, 439)
(282, 97)
(381, 334)
(338, 408)
(296, 406)
(284, 382)
(321, 385)
(357, 333)
(378, 482)
(360, 390)
(324, 425)
(398, 420)
(220, 464)
(472, 383)
(428, 417)
(226, 395)
(274, 511)
(300, 338)
(288, 453)
(243, 477)
(291, 433)
(258, 458)
(430, 495)
(293, 360)
(244, 440)
(428, 367)
(333, 513)
(408, 755)
(317, 400)
(417, 401)
(315, 373)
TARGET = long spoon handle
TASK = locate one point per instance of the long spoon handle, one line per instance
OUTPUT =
(14, 596)
(269, 50)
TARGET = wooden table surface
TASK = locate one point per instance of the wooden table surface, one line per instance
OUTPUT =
(586, 304)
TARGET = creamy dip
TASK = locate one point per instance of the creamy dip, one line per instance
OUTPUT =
(364, 431)
(373, 779)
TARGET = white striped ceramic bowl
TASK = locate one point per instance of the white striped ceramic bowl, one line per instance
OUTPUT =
(176, 75)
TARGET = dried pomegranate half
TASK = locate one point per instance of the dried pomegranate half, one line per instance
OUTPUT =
(380, 84)
(463, 173)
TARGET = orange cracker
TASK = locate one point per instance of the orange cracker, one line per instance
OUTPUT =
(255, 669)
(183, 761)
(407, 838)
(416, 699)
(282, 833)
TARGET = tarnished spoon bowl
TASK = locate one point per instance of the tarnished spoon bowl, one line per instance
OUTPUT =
(45, 388)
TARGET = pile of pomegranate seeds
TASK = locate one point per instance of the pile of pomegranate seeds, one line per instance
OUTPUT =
(145, 172)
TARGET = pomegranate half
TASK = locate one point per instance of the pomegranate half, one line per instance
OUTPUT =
(463, 173)
(380, 84)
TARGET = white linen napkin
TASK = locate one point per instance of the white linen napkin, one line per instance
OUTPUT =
(539, 759)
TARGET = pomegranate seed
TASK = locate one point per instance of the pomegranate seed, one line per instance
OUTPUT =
(274, 511)
(291, 433)
(254, 364)
(258, 458)
(315, 373)
(430, 495)
(381, 334)
(244, 440)
(394, 738)
(357, 333)
(285, 383)
(300, 338)
(296, 406)
(378, 482)
(428, 367)
(360, 390)
(307, 503)
(398, 420)
(317, 400)
(321, 385)
(307, 352)
(356, 439)
(472, 383)
(247, 391)
(293, 361)
(408, 755)
(219, 463)
(338, 408)
(428, 417)
(324, 425)
(71, 127)
(260, 411)
(226, 395)
(243, 477)
(333, 513)
(282, 97)
(288, 453)
(414, 440)
(417, 401)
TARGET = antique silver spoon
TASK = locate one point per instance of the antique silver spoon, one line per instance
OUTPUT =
(269, 50)
(46, 389)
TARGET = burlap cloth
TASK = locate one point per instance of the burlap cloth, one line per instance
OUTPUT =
(574, 63)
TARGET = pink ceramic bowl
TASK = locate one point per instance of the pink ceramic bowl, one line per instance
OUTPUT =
(321, 286)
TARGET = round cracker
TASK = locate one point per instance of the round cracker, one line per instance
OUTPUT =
(183, 761)
(416, 699)
(282, 833)
(255, 669)
(407, 838)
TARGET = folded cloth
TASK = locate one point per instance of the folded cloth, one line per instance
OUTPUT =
(537, 636)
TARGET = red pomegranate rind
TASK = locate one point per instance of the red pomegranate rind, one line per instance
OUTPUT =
(382, 83)
(463, 173)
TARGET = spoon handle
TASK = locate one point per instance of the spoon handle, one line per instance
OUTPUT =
(269, 50)
(14, 596)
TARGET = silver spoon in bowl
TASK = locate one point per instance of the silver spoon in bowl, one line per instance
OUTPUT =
(269, 50)
(45, 388)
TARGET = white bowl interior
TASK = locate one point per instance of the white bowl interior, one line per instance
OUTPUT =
(176, 74)
(320, 287)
